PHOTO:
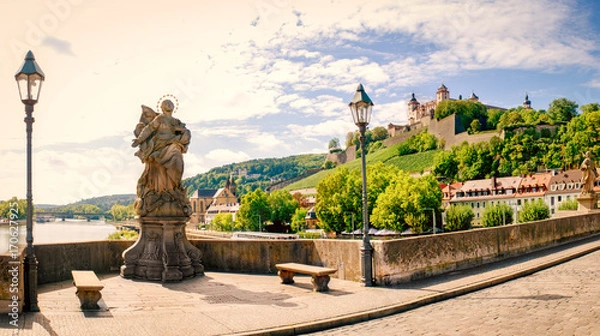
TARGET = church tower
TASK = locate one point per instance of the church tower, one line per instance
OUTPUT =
(442, 93)
(527, 102)
(413, 108)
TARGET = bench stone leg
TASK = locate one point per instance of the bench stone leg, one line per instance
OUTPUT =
(287, 277)
(89, 299)
(320, 283)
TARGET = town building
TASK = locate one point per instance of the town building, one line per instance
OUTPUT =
(481, 193)
(552, 187)
(563, 186)
(206, 203)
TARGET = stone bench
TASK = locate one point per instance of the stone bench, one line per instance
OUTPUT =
(320, 275)
(88, 288)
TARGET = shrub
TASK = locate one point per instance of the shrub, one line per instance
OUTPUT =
(533, 211)
(570, 204)
(123, 235)
(222, 222)
(496, 215)
(459, 217)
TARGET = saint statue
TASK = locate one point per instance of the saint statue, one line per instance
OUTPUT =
(588, 167)
(162, 251)
(162, 141)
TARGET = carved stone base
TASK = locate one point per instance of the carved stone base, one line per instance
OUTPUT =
(587, 202)
(162, 252)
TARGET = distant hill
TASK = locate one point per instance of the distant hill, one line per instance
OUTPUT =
(257, 173)
(103, 202)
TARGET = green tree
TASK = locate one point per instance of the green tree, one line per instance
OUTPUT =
(349, 139)
(459, 217)
(282, 206)
(329, 164)
(403, 203)
(475, 126)
(339, 195)
(562, 109)
(445, 164)
(591, 107)
(570, 204)
(254, 208)
(299, 220)
(466, 110)
(334, 145)
(222, 222)
(14, 207)
(333, 201)
(496, 215)
(534, 211)
(379, 133)
(493, 118)
(121, 212)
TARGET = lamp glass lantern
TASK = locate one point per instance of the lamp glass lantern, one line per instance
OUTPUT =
(361, 106)
(29, 80)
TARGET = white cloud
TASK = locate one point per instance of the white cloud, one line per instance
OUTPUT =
(330, 128)
(222, 156)
(267, 142)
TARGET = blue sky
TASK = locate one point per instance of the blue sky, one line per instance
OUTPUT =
(265, 78)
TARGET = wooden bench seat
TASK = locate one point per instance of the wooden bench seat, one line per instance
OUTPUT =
(320, 275)
(88, 288)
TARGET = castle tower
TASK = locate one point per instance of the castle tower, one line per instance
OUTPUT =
(413, 108)
(527, 102)
(442, 93)
(473, 97)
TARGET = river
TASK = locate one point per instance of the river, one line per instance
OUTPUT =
(71, 230)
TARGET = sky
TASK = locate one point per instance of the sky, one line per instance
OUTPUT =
(264, 78)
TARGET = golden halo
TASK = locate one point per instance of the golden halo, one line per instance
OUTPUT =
(168, 96)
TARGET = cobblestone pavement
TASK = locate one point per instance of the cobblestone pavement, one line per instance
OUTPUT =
(562, 300)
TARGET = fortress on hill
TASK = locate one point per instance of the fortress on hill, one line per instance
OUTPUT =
(421, 115)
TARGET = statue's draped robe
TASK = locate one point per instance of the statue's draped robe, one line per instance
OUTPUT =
(163, 141)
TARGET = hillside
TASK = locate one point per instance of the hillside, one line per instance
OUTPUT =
(412, 163)
(104, 203)
(257, 173)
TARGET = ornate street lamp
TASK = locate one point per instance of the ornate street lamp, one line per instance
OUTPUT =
(361, 106)
(29, 79)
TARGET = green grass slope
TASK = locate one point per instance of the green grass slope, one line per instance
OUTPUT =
(412, 163)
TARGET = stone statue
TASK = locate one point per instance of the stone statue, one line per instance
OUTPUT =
(162, 251)
(162, 141)
(588, 167)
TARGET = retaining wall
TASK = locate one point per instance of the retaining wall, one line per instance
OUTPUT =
(412, 258)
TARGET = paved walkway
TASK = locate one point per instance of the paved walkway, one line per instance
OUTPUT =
(227, 303)
(561, 300)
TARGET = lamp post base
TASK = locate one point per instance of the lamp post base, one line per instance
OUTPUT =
(31, 267)
(366, 258)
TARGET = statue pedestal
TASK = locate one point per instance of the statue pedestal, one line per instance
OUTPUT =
(587, 202)
(162, 252)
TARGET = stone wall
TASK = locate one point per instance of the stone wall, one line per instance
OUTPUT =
(394, 261)
(412, 258)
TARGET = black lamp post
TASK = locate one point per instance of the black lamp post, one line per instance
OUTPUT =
(361, 106)
(29, 79)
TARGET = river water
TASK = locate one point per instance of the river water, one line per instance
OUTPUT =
(71, 230)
